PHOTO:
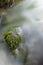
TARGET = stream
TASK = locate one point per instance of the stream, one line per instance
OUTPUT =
(29, 16)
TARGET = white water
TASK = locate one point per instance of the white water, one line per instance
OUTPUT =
(34, 28)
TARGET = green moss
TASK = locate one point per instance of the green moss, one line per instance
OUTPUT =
(17, 1)
(12, 40)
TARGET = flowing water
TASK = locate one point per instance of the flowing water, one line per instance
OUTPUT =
(29, 16)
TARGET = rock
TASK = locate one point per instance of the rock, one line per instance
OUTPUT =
(13, 39)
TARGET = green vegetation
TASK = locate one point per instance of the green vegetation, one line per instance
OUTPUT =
(17, 1)
(12, 40)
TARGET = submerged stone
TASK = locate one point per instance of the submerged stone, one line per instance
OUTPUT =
(13, 39)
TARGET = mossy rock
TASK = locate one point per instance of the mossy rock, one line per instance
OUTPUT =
(13, 39)
(8, 3)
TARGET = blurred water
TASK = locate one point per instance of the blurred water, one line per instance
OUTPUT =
(31, 21)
